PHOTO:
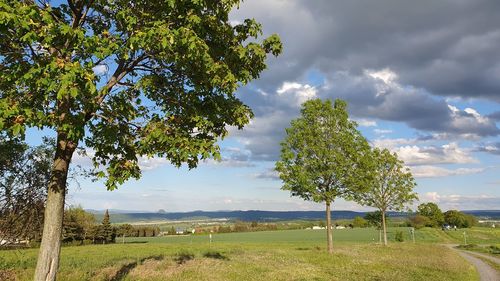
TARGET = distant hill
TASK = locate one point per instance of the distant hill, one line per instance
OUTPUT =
(121, 216)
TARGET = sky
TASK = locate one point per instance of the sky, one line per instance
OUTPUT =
(421, 78)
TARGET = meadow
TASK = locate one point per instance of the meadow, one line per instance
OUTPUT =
(271, 255)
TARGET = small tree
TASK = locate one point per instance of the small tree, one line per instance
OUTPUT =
(359, 222)
(126, 79)
(375, 219)
(391, 187)
(107, 231)
(322, 156)
(431, 211)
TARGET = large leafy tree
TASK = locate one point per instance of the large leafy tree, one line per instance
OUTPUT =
(431, 211)
(391, 188)
(126, 79)
(324, 156)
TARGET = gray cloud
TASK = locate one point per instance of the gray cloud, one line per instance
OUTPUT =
(493, 148)
(495, 116)
(269, 174)
(448, 47)
(391, 60)
(370, 96)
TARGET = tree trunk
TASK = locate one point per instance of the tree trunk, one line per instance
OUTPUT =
(329, 229)
(384, 228)
(48, 256)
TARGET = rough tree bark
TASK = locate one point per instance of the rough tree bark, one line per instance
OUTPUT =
(384, 228)
(48, 256)
(329, 228)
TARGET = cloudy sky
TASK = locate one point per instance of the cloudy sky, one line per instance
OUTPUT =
(422, 78)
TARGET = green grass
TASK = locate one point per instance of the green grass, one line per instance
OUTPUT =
(475, 235)
(272, 255)
(284, 261)
(357, 235)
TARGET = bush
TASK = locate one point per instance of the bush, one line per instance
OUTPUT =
(467, 247)
(494, 250)
(399, 236)
(419, 221)
(359, 222)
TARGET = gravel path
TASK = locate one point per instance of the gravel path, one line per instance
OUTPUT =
(486, 272)
(488, 257)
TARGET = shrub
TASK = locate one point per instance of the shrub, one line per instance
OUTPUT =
(419, 221)
(359, 222)
(399, 236)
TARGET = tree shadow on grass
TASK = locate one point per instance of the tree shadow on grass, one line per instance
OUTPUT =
(183, 257)
(126, 268)
(215, 255)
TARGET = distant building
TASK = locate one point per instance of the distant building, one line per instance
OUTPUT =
(318, 227)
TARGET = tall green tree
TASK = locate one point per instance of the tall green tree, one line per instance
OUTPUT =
(106, 231)
(431, 211)
(324, 156)
(391, 188)
(126, 79)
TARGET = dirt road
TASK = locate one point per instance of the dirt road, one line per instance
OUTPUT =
(486, 272)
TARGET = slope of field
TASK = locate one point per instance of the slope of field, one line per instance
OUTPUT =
(277, 255)
(356, 235)
(476, 235)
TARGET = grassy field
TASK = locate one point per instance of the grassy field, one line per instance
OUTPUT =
(356, 235)
(475, 235)
(273, 255)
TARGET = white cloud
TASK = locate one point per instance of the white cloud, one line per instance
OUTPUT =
(386, 75)
(366, 122)
(232, 157)
(100, 69)
(382, 131)
(434, 171)
(298, 93)
(430, 197)
(412, 154)
(267, 174)
(148, 164)
(461, 202)
(392, 144)
(84, 159)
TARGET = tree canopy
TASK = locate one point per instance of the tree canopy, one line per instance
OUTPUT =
(391, 186)
(392, 183)
(324, 156)
(432, 212)
(148, 78)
